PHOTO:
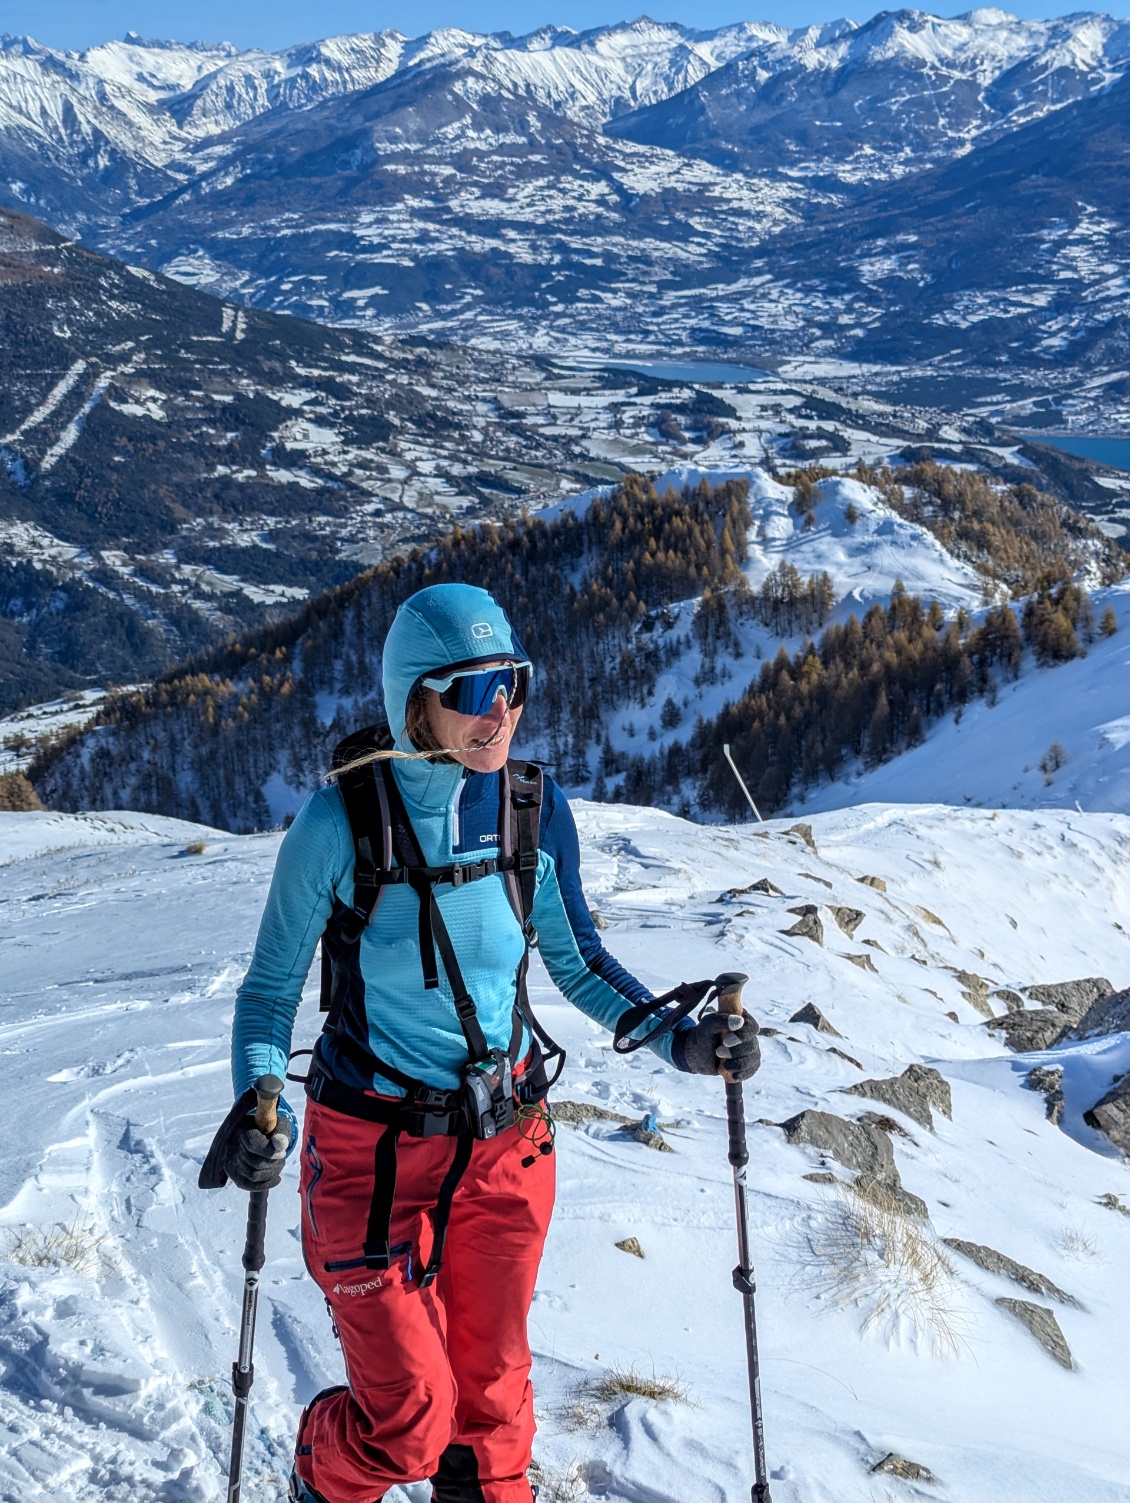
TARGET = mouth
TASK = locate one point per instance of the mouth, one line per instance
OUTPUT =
(488, 741)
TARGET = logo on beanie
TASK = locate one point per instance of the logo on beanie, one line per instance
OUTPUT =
(482, 629)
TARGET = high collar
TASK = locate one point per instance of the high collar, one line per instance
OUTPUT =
(428, 785)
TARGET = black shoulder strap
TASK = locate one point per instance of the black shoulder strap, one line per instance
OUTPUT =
(520, 817)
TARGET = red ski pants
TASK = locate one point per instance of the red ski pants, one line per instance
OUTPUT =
(432, 1367)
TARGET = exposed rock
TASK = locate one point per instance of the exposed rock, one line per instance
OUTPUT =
(849, 919)
(1042, 1323)
(823, 1177)
(891, 1195)
(895, 1465)
(1110, 1014)
(808, 925)
(1026, 1031)
(864, 1146)
(875, 945)
(876, 882)
(804, 832)
(914, 1092)
(883, 1123)
(631, 1245)
(598, 919)
(584, 1111)
(762, 885)
(997, 1262)
(1072, 998)
(1012, 1000)
(975, 990)
(849, 1057)
(932, 918)
(864, 962)
(1111, 1201)
(646, 1131)
(812, 1015)
(1049, 1080)
(1111, 1114)
(865, 1149)
(812, 877)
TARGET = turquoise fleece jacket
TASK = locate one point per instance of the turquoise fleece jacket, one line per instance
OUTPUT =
(455, 815)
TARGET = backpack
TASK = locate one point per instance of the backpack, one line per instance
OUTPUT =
(386, 852)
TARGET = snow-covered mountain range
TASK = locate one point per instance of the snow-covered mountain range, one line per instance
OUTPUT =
(667, 186)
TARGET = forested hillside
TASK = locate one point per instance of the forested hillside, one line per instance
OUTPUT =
(609, 598)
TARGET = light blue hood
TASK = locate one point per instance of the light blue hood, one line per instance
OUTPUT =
(444, 624)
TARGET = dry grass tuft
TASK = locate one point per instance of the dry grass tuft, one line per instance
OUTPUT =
(1076, 1242)
(196, 848)
(629, 1383)
(80, 1247)
(891, 1267)
(555, 1486)
(586, 1406)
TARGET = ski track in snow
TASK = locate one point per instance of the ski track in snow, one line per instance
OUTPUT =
(123, 954)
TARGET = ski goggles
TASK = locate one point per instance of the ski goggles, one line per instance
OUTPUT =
(473, 691)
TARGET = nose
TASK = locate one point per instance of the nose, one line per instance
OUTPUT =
(498, 709)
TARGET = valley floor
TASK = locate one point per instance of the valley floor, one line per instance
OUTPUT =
(123, 952)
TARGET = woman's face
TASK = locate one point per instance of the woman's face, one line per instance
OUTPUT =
(480, 742)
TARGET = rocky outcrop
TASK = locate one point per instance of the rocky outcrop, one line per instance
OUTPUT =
(864, 962)
(1013, 1001)
(1026, 1031)
(762, 885)
(876, 882)
(1109, 1014)
(1111, 1114)
(997, 1262)
(812, 1015)
(849, 919)
(1064, 1009)
(862, 1146)
(1049, 1080)
(914, 1092)
(975, 990)
(865, 1149)
(803, 832)
(894, 1465)
(1071, 998)
(808, 925)
(1042, 1323)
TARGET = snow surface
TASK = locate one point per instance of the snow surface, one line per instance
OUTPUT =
(123, 951)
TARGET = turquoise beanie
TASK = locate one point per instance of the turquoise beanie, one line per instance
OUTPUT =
(436, 627)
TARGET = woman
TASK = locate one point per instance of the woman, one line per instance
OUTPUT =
(425, 1234)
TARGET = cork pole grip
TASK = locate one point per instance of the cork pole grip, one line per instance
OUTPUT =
(729, 986)
(268, 1089)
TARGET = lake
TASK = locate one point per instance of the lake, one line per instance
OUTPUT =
(697, 372)
(1112, 451)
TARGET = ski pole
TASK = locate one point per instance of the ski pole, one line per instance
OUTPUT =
(729, 986)
(268, 1089)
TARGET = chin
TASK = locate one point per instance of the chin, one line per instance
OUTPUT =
(488, 759)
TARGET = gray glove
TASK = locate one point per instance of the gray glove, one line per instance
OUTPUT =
(253, 1160)
(720, 1041)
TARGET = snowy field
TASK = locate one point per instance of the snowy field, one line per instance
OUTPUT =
(123, 951)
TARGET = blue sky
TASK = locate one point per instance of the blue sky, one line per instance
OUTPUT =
(82, 23)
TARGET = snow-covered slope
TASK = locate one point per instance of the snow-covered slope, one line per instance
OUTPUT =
(992, 755)
(123, 951)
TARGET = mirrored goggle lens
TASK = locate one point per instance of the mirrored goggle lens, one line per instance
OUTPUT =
(474, 692)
